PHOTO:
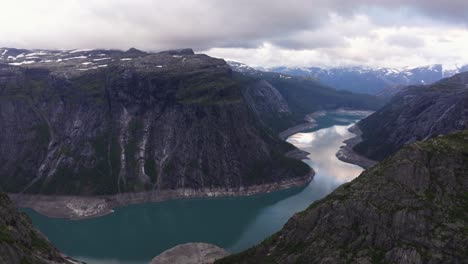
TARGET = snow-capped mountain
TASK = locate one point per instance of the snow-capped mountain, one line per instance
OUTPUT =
(367, 80)
(240, 67)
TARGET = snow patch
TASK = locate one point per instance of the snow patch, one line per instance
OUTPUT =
(75, 58)
(79, 50)
(21, 63)
(40, 53)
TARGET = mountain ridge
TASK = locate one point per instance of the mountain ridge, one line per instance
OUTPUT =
(361, 79)
(416, 113)
(410, 208)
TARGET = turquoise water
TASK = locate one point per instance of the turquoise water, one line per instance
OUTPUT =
(135, 234)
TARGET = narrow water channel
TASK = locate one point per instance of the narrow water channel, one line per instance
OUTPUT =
(135, 234)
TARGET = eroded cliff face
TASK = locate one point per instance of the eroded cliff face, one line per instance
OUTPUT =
(20, 242)
(139, 122)
(416, 113)
(411, 208)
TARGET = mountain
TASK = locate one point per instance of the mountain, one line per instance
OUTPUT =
(303, 95)
(367, 80)
(451, 72)
(20, 243)
(416, 113)
(411, 208)
(91, 122)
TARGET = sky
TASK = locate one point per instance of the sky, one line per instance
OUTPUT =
(296, 33)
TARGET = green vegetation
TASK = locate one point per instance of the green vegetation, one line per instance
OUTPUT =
(151, 170)
(305, 96)
(278, 162)
(5, 235)
(169, 168)
(209, 89)
(100, 179)
(453, 142)
(39, 243)
(42, 134)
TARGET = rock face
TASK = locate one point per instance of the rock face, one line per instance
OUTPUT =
(20, 243)
(268, 104)
(411, 208)
(416, 113)
(303, 96)
(191, 253)
(106, 122)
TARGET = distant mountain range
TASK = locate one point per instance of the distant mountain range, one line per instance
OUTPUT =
(378, 81)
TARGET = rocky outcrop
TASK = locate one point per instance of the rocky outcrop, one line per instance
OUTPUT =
(178, 52)
(20, 243)
(267, 103)
(416, 113)
(410, 208)
(191, 253)
(106, 122)
(347, 153)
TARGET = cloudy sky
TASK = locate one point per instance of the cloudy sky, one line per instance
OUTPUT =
(391, 33)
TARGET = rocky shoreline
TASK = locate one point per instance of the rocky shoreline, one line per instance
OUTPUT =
(310, 123)
(191, 253)
(83, 207)
(347, 154)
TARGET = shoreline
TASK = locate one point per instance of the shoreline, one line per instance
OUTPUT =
(86, 207)
(309, 123)
(348, 155)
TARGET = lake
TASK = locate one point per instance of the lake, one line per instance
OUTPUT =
(137, 233)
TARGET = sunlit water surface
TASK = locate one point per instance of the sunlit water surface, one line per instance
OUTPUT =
(135, 234)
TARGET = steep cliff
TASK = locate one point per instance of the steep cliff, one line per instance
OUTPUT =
(106, 122)
(416, 113)
(20, 243)
(295, 97)
(411, 208)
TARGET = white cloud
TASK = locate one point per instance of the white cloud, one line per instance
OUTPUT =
(259, 32)
(375, 46)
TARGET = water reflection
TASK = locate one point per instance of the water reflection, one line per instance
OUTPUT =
(135, 234)
(330, 173)
(323, 145)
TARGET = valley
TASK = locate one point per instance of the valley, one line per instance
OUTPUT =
(233, 132)
(140, 232)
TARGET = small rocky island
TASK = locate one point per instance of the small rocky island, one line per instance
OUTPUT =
(191, 253)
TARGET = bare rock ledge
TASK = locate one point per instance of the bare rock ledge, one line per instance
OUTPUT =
(191, 253)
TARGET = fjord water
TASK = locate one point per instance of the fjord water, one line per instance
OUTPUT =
(135, 234)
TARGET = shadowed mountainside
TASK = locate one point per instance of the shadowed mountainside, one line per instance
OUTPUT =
(411, 208)
(416, 113)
